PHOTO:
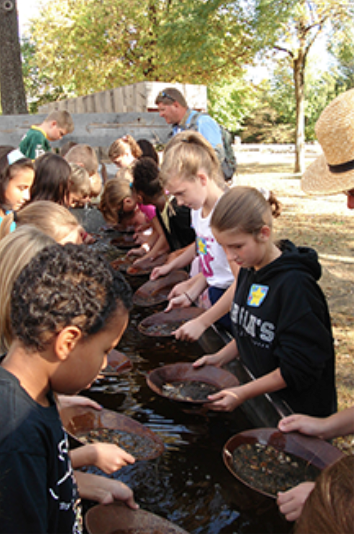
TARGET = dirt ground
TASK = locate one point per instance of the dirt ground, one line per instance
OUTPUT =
(324, 223)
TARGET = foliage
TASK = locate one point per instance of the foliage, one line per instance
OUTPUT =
(230, 102)
(85, 46)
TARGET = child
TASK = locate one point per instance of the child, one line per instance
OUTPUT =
(124, 151)
(330, 506)
(51, 180)
(280, 317)
(36, 141)
(86, 157)
(52, 219)
(191, 172)
(79, 186)
(16, 178)
(16, 251)
(118, 203)
(175, 220)
(68, 311)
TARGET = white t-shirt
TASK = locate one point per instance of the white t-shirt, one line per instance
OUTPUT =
(214, 264)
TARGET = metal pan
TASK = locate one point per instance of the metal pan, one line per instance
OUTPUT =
(145, 266)
(78, 420)
(117, 518)
(117, 363)
(163, 324)
(154, 292)
(181, 372)
(314, 451)
(125, 241)
(122, 264)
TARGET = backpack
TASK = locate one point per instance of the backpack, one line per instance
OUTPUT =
(227, 158)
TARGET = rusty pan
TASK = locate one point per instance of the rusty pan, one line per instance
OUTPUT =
(117, 518)
(182, 372)
(122, 264)
(145, 266)
(314, 451)
(163, 324)
(79, 420)
(124, 241)
(117, 363)
(154, 292)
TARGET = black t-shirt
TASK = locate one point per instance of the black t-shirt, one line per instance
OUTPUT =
(37, 490)
(181, 233)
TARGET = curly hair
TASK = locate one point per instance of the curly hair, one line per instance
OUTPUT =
(63, 286)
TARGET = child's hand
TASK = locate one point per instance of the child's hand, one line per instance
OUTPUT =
(136, 252)
(180, 289)
(159, 271)
(312, 426)
(104, 490)
(178, 302)
(190, 331)
(291, 502)
(208, 359)
(66, 401)
(225, 400)
(109, 457)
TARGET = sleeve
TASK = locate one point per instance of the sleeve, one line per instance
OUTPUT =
(149, 210)
(28, 144)
(23, 494)
(305, 341)
(210, 130)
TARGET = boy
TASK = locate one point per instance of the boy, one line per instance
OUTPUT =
(53, 128)
(86, 157)
(69, 309)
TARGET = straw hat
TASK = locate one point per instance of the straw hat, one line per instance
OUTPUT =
(333, 172)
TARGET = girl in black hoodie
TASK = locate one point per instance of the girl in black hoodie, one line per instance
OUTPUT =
(281, 324)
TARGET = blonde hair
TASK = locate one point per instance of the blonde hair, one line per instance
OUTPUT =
(63, 119)
(119, 147)
(79, 182)
(16, 251)
(187, 154)
(330, 505)
(244, 209)
(83, 155)
(114, 193)
(49, 217)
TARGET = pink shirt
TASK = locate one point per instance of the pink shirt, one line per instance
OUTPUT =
(149, 210)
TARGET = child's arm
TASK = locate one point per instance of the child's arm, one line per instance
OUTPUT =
(222, 357)
(186, 293)
(181, 261)
(228, 399)
(106, 456)
(104, 490)
(192, 330)
(65, 401)
(338, 424)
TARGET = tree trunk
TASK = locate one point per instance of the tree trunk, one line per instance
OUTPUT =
(299, 80)
(13, 96)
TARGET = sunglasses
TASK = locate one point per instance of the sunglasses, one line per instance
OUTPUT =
(166, 95)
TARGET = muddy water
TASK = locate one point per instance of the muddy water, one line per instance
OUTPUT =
(188, 484)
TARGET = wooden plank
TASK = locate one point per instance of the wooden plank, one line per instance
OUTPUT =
(94, 129)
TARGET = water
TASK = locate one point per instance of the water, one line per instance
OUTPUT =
(189, 484)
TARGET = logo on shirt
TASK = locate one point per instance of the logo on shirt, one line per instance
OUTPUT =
(202, 246)
(256, 295)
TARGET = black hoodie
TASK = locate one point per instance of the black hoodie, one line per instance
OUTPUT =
(280, 319)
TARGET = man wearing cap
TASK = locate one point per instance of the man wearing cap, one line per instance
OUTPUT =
(333, 172)
(174, 109)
